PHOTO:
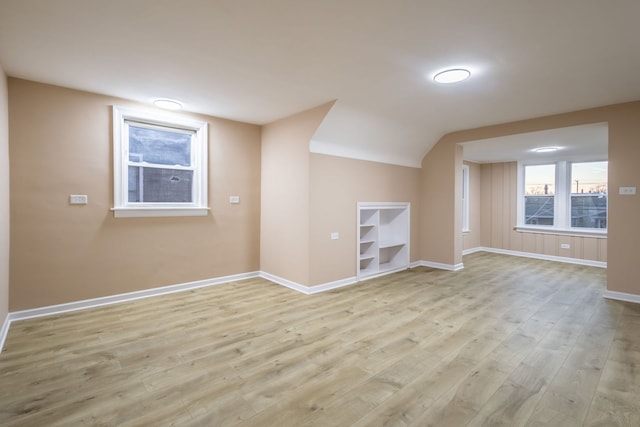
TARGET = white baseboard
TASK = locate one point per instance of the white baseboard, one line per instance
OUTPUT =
(587, 262)
(285, 282)
(332, 285)
(438, 265)
(472, 250)
(129, 296)
(308, 290)
(4, 331)
(114, 299)
(621, 296)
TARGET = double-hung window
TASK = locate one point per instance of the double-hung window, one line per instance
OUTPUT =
(160, 165)
(563, 196)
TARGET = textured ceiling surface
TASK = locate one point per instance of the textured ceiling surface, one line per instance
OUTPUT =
(261, 60)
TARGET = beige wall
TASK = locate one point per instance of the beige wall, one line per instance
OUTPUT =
(499, 199)
(624, 151)
(284, 231)
(4, 199)
(291, 200)
(336, 186)
(441, 204)
(61, 144)
(471, 238)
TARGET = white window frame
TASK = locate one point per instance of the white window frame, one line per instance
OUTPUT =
(199, 143)
(562, 202)
(465, 199)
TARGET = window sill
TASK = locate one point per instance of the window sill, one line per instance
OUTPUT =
(549, 230)
(158, 212)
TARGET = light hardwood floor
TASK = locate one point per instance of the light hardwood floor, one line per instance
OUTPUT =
(505, 342)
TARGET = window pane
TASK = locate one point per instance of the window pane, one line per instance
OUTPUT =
(589, 195)
(163, 147)
(539, 200)
(160, 185)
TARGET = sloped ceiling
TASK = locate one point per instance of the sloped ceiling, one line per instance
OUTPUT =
(261, 60)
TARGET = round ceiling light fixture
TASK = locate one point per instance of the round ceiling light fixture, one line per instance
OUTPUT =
(545, 149)
(453, 75)
(167, 104)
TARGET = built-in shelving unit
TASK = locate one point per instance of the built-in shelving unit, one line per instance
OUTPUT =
(383, 238)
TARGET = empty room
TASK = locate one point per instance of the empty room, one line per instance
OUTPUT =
(335, 213)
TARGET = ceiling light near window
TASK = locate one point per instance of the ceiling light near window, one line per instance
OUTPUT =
(545, 149)
(453, 75)
(167, 104)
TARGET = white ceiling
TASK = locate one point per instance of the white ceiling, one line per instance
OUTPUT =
(577, 143)
(261, 60)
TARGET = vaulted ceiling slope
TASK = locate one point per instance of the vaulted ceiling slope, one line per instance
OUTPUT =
(260, 60)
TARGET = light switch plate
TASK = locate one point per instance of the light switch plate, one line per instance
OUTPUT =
(234, 199)
(627, 191)
(78, 199)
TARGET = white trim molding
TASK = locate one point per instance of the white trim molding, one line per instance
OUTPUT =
(621, 296)
(4, 331)
(126, 118)
(114, 299)
(285, 282)
(129, 296)
(438, 265)
(158, 212)
(332, 285)
(308, 290)
(568, 260)
(473, 251)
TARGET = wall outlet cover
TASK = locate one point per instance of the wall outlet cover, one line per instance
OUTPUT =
(627, 191)
(78, 199)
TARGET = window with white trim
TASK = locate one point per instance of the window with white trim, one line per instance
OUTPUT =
(160, 165)
(563, 196)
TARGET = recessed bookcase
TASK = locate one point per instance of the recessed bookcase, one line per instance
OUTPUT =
(383, 238)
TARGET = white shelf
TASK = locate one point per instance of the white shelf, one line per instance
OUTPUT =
(368, 271)
(390, 244)
(387, 266)
(383, 238)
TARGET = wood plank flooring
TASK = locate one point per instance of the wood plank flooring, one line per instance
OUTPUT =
(505, 342)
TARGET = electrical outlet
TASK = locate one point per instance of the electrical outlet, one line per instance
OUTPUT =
(565, 246)
(234, 199)
(627, 191)
(335, 236)
(78, 199)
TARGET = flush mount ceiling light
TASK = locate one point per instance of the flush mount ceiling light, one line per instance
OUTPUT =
(453, 75)
(167, 104)
(545, 149)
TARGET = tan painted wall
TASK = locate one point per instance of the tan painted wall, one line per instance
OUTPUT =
(499, 199)
(60, 144)
(4, 199)
(441, 204)
(284, 231)
(471, 239)
(624, 151)
(623, 225)
(336, 186)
